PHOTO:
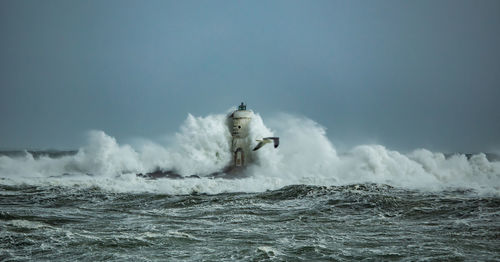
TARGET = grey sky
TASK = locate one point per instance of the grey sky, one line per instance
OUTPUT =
(405, 74)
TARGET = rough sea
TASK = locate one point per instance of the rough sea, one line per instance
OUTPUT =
(303, 201)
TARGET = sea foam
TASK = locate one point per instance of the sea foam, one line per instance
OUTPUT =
(202, 145)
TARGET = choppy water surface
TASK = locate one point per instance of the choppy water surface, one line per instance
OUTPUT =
(302, 201)
(294, 223)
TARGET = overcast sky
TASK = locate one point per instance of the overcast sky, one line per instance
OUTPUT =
(405, 74)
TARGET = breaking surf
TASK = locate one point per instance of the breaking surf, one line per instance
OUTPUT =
(196, 158)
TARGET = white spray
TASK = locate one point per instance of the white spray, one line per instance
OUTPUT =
(202, 146)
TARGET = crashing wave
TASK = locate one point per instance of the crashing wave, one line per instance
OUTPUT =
(305, 156)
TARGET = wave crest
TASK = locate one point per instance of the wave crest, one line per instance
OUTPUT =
(305, 156)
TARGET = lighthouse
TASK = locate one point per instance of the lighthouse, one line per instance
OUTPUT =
(239, 122)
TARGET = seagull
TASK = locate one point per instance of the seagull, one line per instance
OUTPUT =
(266, 140)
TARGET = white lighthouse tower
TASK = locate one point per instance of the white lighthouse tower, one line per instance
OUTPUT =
(239, 124)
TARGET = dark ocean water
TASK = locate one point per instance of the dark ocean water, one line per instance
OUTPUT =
(302, 201)
(371, 222)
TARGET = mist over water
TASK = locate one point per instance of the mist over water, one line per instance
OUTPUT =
(202, 146)
(302, 201)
